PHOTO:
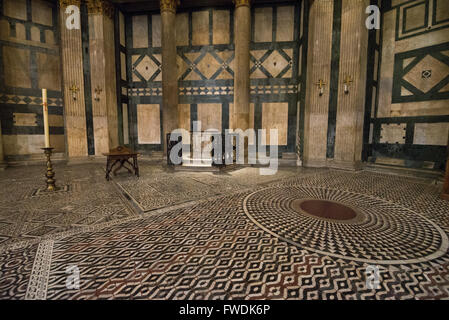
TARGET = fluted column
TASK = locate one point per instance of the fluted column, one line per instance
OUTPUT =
(353, 67)
(72, 74)
(318, 71)
(102, 75)
(169, 68)
(242, 35)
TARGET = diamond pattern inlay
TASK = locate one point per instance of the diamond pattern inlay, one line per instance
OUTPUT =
(208, 66)
(147, 67)
(415, 77)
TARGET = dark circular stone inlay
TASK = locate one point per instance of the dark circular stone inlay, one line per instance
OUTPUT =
(327, 209)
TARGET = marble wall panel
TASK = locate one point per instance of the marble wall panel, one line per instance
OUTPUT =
(16, 66)
(49, 37)
(210, 116)
(435, 134)
(182, 29)
(140, 31)
(148, 124)
(263, 24)
(275, 116)
(24, 119)
(442, 10)
(122, 66)
(122, 28)
(42, 12)
(393, 133)
(15, 9)
(200, 27)
(24, 144)
(55, 120)
(156, 30)
(285, 23)
(125, 123)
(35, 34)
(20, 31)
(48, 67)
(4, 29)
(221, 26)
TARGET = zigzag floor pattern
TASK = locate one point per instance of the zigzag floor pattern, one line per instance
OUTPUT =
(208, 248)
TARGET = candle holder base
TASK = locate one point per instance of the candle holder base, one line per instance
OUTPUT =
(51, 182)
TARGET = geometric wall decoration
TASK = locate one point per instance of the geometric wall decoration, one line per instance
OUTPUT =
(421, 75)
(205, 47)
(147, 67)
(207, 64)
(29, 50)
(415, 17)
(271, 63)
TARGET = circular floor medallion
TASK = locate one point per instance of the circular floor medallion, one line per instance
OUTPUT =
(325, 209)
(346, 225)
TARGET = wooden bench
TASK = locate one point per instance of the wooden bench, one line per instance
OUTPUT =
(121, 155)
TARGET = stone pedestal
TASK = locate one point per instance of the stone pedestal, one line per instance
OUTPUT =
(169, 68)
(242, 34)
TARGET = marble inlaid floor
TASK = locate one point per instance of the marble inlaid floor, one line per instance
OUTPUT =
(236, 235)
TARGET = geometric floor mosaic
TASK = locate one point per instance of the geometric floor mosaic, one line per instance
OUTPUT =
(383, 233)
(236, 235)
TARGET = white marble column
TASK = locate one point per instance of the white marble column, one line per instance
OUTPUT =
(318, 71)
(351, 105)
(242, 35)
(73, 84)
(102, 67)
(169, 69)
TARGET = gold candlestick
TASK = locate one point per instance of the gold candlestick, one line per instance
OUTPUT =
(49, 174)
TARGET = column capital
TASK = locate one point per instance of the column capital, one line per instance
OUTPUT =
(169, 5)
(240, 3)
(101, 7)
(66, 3)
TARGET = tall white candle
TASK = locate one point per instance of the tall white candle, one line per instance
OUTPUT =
(46, 127)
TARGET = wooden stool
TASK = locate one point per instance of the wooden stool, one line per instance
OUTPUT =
(121, 155)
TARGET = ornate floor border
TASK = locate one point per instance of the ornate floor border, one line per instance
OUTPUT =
(37, 286)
